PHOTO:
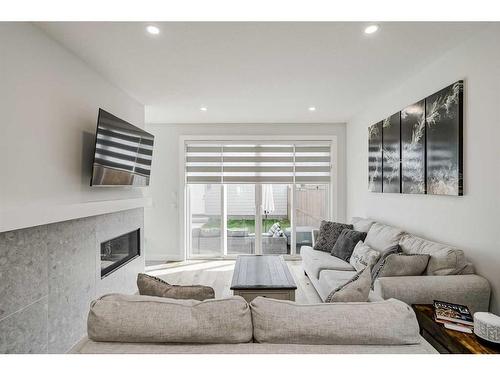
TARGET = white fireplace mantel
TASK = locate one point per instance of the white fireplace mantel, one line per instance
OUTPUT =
(34, 215)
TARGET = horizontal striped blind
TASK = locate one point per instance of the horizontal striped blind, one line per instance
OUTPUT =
(218, 162)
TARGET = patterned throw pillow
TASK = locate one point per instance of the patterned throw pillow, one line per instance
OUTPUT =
(363, 256)
(329, 231)
(397, 263)
(273, 228)
(278, 233)
(346, 243)
(154, 286)
(355, 290)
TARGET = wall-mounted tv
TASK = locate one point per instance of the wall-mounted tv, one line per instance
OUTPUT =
(123, 153)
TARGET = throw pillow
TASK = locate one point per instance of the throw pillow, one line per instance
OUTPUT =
(346, 243)
(400, 264)
(355, 290)
(363, 256)
(273, 228)
(279, 233)
(154, 286)
(329, 231)
(396, 249)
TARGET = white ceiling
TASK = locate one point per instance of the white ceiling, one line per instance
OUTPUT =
(256, 72)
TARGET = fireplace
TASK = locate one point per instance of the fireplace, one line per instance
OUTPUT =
(118, 251)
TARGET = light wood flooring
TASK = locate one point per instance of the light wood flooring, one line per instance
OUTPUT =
(218, 275)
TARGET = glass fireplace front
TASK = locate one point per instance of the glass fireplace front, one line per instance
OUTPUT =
(118, 251)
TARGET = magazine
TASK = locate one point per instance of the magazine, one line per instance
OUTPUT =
(445, 312)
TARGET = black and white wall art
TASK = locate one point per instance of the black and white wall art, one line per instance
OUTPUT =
(419, 150)
(375, 158)
(413, 149)
(444, 141)
(391, 154)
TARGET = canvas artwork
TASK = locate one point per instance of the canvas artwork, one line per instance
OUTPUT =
(444, 141)
(391, 154)
(375, 158)
(413, 149)
(419, 150)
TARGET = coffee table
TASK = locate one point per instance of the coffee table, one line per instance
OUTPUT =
(262, 275)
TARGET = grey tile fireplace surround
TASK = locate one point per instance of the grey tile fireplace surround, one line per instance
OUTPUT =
(49, 275)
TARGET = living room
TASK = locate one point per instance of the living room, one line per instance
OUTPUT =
(261, 187)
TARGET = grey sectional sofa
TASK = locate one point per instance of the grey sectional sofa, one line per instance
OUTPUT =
(143, 324)
(449, 276)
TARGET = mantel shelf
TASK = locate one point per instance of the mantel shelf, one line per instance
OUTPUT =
(34, 215)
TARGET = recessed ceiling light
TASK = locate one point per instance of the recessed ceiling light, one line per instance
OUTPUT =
(371, 29)
(153, 30)
(203, 109)
(311, 109)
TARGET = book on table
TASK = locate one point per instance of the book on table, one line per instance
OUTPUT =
(456, 316)
(458, 327)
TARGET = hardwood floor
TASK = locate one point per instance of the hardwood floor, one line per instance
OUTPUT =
(218, 275)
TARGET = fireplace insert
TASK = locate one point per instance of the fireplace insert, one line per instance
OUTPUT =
(118, 251)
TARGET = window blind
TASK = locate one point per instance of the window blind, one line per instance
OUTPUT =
(252, 162)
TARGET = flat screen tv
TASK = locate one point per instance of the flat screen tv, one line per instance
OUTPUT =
(123, 153)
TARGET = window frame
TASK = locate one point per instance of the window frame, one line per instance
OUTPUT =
(183, 197)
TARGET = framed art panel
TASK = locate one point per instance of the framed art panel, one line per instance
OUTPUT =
(391, 154)
(375, 158)
(413, 149)
(444, 141)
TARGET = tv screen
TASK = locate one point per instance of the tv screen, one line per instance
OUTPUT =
(123, 153)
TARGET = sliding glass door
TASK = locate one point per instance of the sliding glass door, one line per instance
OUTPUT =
(254, 198)
(276, 218)
(205, 220)
(240, 218)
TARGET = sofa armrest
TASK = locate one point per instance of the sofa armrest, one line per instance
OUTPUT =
(470, 290)
(314, 236)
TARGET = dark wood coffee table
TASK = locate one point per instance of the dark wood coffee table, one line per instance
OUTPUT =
(446, 340)
(263, 275)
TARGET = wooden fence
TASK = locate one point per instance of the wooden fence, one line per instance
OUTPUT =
(311, 205)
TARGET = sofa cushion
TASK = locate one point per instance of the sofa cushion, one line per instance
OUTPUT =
(134, 318)
(315, 261)
(361, 224)
(444, 259)
(154, 286)
(329, 231)
(354, 290)
(352, 323)
(363, 256)
(332, 279)
(380, 237)
(346, 243)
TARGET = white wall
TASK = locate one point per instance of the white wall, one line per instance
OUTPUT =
(470, 222)
(49, 100)
(163, 227)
